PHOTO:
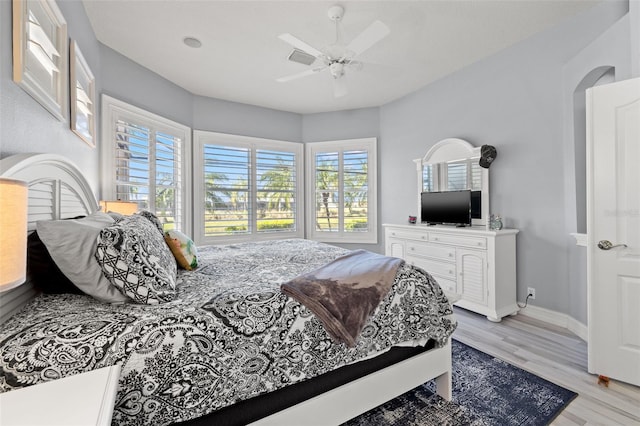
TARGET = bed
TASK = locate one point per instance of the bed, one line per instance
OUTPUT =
(228, 347)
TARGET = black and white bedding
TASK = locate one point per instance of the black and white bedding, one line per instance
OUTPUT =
(229, 334)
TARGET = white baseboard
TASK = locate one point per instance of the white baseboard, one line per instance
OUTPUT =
(557, 318)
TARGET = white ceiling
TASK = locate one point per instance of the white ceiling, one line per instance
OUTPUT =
(241, 55)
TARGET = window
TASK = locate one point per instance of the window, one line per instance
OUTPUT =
(247, 188)
(144, 160)
(341, 191)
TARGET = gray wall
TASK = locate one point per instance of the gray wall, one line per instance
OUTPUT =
(515, 101)
(247, 120)
(130, 82)
(25, 126)
(350, 124)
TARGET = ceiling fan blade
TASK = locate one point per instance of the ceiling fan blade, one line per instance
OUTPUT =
(370, 36)
(339, 87)
(305, 73)
(299, 44)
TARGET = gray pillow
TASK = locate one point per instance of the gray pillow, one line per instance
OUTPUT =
(135, 258)
(72, 245)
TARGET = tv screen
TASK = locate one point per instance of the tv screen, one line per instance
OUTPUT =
(476, 204)
(450, 207)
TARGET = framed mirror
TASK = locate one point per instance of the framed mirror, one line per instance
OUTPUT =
(83, 95)
(452, 165)
(40, 60)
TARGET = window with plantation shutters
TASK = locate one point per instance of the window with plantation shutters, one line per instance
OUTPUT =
(226, 190)
(251, 188)
(341, 188)
(276, 185)
(144, 161)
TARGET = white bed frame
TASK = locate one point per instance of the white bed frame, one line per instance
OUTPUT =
(58, 190)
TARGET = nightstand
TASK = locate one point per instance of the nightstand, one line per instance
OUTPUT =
(84, 399)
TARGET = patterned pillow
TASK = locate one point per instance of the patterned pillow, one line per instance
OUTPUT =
(183, 248)
(137, 261)
(153, 219)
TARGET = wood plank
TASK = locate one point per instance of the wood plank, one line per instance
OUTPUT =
(555, 354)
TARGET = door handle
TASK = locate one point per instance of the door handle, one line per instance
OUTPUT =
(608, 245)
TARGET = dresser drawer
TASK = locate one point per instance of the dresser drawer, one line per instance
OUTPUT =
(458, 240)
(434, 267)
(434, 251)
(447, 285)
(407, 235)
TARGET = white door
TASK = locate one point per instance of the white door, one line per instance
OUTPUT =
(613, 212)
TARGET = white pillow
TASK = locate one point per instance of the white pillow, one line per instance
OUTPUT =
(72, 245)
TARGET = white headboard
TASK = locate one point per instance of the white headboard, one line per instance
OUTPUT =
(57, 190)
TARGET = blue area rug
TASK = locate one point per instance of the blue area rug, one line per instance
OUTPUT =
(486, 391)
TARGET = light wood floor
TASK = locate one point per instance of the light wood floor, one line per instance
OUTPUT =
(557, 355)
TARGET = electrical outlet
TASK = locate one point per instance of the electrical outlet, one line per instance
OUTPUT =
(531, 292)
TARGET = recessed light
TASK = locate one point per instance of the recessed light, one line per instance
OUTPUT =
(192, 42)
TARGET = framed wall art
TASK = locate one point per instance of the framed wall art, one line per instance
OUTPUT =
(40, 53)
(82, 96)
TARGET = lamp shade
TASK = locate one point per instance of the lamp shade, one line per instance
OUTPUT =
(118, 206)
(13, 233)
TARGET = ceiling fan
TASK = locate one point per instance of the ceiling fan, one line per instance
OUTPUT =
(337, 57)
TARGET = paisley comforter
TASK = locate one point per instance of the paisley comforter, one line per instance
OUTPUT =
(229, 336)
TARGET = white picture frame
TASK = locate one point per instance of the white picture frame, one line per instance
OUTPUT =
(82, 96)
(40, 53)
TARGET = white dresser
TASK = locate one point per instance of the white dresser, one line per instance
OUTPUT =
(475, 264)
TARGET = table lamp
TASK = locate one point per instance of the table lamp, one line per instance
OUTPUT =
(119, 206)
(13, 233)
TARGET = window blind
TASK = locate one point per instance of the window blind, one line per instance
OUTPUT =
(148, 170)
(276, 180)
(355, 191)
(327, 195)
(226, 183)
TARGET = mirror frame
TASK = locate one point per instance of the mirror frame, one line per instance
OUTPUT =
(454, 149)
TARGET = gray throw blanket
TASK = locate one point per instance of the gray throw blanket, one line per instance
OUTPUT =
(344, 293)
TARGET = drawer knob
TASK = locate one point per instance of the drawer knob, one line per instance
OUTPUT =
(423, 237)
(479, 243)
(435, 239)
(412, 248)
(450, 254)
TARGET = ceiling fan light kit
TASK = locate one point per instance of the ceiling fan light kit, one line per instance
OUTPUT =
(338, 57)
(335, 12)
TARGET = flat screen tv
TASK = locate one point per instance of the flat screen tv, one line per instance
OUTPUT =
(446, 207)
(476, 204)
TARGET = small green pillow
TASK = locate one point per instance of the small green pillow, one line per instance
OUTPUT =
(183, 248)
